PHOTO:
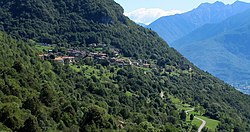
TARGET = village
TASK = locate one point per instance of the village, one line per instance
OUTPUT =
(95, 52)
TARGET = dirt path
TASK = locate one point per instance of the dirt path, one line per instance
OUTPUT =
(202, 125)
(203, 121)
(192, 109)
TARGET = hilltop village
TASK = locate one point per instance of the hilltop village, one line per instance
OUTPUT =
(99, 53)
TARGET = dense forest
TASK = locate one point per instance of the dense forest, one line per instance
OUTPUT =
(43, 95)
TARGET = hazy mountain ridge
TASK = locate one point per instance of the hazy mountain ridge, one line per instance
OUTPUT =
(171, 28)
(222, 49)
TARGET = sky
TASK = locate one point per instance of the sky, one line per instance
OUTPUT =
(147, 11)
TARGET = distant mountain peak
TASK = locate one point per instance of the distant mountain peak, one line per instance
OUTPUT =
(238, 3)
(217, 3)
(171, 28)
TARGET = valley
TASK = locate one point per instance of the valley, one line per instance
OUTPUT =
(218, 46)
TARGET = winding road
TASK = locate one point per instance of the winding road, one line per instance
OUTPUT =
(203, 121)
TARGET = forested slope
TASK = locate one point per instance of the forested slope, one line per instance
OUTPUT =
(43, 95)
(78, 24)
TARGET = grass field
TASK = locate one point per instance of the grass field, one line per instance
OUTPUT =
(98, 49)
(174, 100)
(74, 67)
(101, 73)
(196, 122)
(88, 70)
(128, 94)
(41, 48)
(211, 124)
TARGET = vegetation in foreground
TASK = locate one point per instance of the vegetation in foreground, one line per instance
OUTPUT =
(43, 95)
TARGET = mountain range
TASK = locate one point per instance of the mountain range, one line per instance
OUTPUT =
(81, 65)
(171, 28)
(218, 43)
(222, 48)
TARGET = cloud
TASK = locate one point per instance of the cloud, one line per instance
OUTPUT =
(147, 16)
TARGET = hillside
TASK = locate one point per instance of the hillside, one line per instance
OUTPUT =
(39, 95)
(115, 81)
(227, 42)
(79, 24)
(172, 28)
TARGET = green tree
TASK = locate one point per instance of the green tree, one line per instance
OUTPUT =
(191, 117)
(47, 95)
(183, 115)
(31, 125)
